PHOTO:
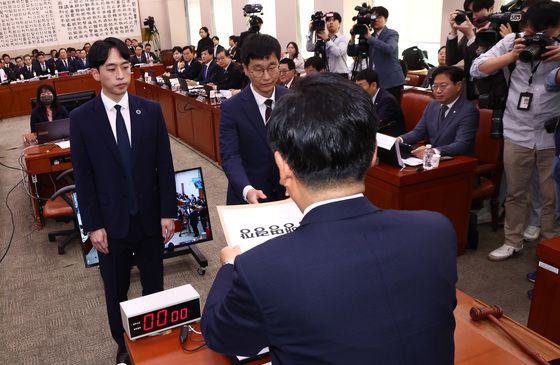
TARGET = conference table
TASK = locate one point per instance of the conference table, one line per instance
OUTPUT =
(476, 343)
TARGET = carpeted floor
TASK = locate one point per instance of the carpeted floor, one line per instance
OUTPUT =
(52, 308)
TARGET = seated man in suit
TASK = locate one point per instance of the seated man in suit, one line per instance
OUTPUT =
(450, 122)
(389, 113)
(246, 156)
(217, 47)
(210, 69)
(27, 69)
(230, 75)
(150, 56)
(191, 67)
(18, 68)
(63, 63)
(8, 67)
(314, 64)
(41, 67)
(139, 56)
(81, 62)
(288, 76)
(337, 290)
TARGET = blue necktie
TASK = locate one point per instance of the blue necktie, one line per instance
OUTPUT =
(126, 156)
(205, 72)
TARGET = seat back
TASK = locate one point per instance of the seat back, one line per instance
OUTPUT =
(412, 80)
(488, 150)
(413, 104)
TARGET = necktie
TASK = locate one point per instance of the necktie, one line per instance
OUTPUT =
(442, 115)
(123, 143)
(205, 73)
(43, 66)
(65, 64)
(268, 111)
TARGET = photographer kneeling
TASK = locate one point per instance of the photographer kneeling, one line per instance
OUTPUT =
(527, 145)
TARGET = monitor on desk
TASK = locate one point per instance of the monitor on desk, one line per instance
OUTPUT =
(71, 100)
(192, 225)
(53, 131)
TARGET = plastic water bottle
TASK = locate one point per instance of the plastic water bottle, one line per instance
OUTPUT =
(427, 160)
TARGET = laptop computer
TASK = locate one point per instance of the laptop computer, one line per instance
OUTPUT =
(52, 131)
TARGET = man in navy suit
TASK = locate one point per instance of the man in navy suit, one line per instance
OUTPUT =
(41, 67)
(230, 76)
(191, 67)
(210, 69)
(139, 56)
(383, 53)
(81, 62)
(27, 69)
(246, 157)
(124, 180)
(389, 113)
(63, 63)
(350, 285)
(450, 122)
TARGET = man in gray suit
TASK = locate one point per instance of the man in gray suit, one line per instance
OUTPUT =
(450, 122)
(383, 53)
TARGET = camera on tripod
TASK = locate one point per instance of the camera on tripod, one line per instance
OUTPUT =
(318, 21)
(255, 22)
(150, 23)
(364, 19)
(536, 46)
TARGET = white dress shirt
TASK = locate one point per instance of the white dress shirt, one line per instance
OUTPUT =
(112, 114)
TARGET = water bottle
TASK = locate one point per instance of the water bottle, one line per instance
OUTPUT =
(428, 153)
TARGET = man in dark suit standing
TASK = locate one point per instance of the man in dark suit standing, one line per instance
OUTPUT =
(246, 157)
(230, 76)
(124, 180)
(450, 122)
(349, 285)
(389, 113)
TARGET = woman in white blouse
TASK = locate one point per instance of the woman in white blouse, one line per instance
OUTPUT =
(292, 51)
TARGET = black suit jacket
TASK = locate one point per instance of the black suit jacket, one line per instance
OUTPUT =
(100, 183)
(10, 72)
(211, 74)
(61, 68)
(246, 156)
(456, 51)
(80, 65)
(25, 72)
(229, 78)
(135, 61)
(389, 113)
(38, 69)
(202, 44)
(192, 71)
(217, 49)
(38, 115)
(351, 285)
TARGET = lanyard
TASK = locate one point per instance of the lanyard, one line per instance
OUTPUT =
(533, 72)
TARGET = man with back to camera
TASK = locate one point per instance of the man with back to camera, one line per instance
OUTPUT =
(527, 145)
(337, 290)
(124, 180)
(389, 113)
(466, 49)
(383, 46)
(449, 122)
(246, 157)
(335, 43)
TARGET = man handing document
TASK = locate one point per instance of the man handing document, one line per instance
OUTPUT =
(350, 285)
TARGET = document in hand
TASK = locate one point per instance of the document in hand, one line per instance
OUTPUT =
(391, 151)
(250, 225)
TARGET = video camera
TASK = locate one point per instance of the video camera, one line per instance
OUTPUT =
(364, 19)
(255, 22)
(318, 21)
(150, 23)
(536, 46)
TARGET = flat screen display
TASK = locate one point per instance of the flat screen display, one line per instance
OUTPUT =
(192, 224)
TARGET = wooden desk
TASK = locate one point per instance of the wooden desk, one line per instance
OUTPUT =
(158, 69)
(165, 99)
(446, 189)
(40, 162)
(476, 343)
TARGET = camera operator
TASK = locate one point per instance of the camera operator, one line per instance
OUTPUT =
(527, 144)
(255, 24)
(466, 49)
(335, 43)
(383, 52)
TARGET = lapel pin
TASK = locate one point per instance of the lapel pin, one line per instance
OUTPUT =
(138, 111)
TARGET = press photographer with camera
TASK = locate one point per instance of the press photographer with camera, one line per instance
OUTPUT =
(529, 106)
(255, 22)
(467, 22)
(383, 49)
(329, 37)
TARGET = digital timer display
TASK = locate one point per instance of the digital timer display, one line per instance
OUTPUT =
(164, 318)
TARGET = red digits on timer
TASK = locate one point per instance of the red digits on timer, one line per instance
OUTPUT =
(159, 319)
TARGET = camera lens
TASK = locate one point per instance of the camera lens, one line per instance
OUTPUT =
(531, 52)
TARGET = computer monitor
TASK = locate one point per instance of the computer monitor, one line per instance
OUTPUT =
(192, 225)
(53, 131)
(71, 100)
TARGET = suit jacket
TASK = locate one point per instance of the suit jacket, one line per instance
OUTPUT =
(135, 61)
(100, 182)
(456, 135)
(246, 156)
(217, 49)
(295, 82)
(25, 72)
(384, 54)
(61, 68)
(203, 43)
(229, 78)
(11, 72)
(39, 70)
(233, 54)
(38, 115)
(151, 54)
(391, 119)
(348, 286)
(192, 71)
(456, 51)
(79, 64)
(211, 74)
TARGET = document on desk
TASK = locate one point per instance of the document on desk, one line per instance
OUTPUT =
(63, 144)
(250, 225)
(244, 359)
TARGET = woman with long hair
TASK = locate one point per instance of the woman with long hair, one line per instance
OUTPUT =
(292, 52)
(47, 108)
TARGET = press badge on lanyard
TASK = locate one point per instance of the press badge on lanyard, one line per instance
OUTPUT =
(526, 98)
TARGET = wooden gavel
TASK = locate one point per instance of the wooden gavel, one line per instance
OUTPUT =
(493, 313)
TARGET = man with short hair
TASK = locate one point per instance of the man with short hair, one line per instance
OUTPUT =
(246, 157)
(150, 56)
(63, 64)
(350, 285)
(232, 50)
(139, 57)
(314, 64)
(449, 122)
(81, 62)
(389, 113)
(334, 42)
(124, 181)
(41, 68)
(383, 54)
(209, 71)
(288, 77)
(230, 76)
(191, 67)
(27, 69)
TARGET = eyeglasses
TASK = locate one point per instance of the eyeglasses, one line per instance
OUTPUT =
(259, 72)
(441, 86)
(283, 72)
